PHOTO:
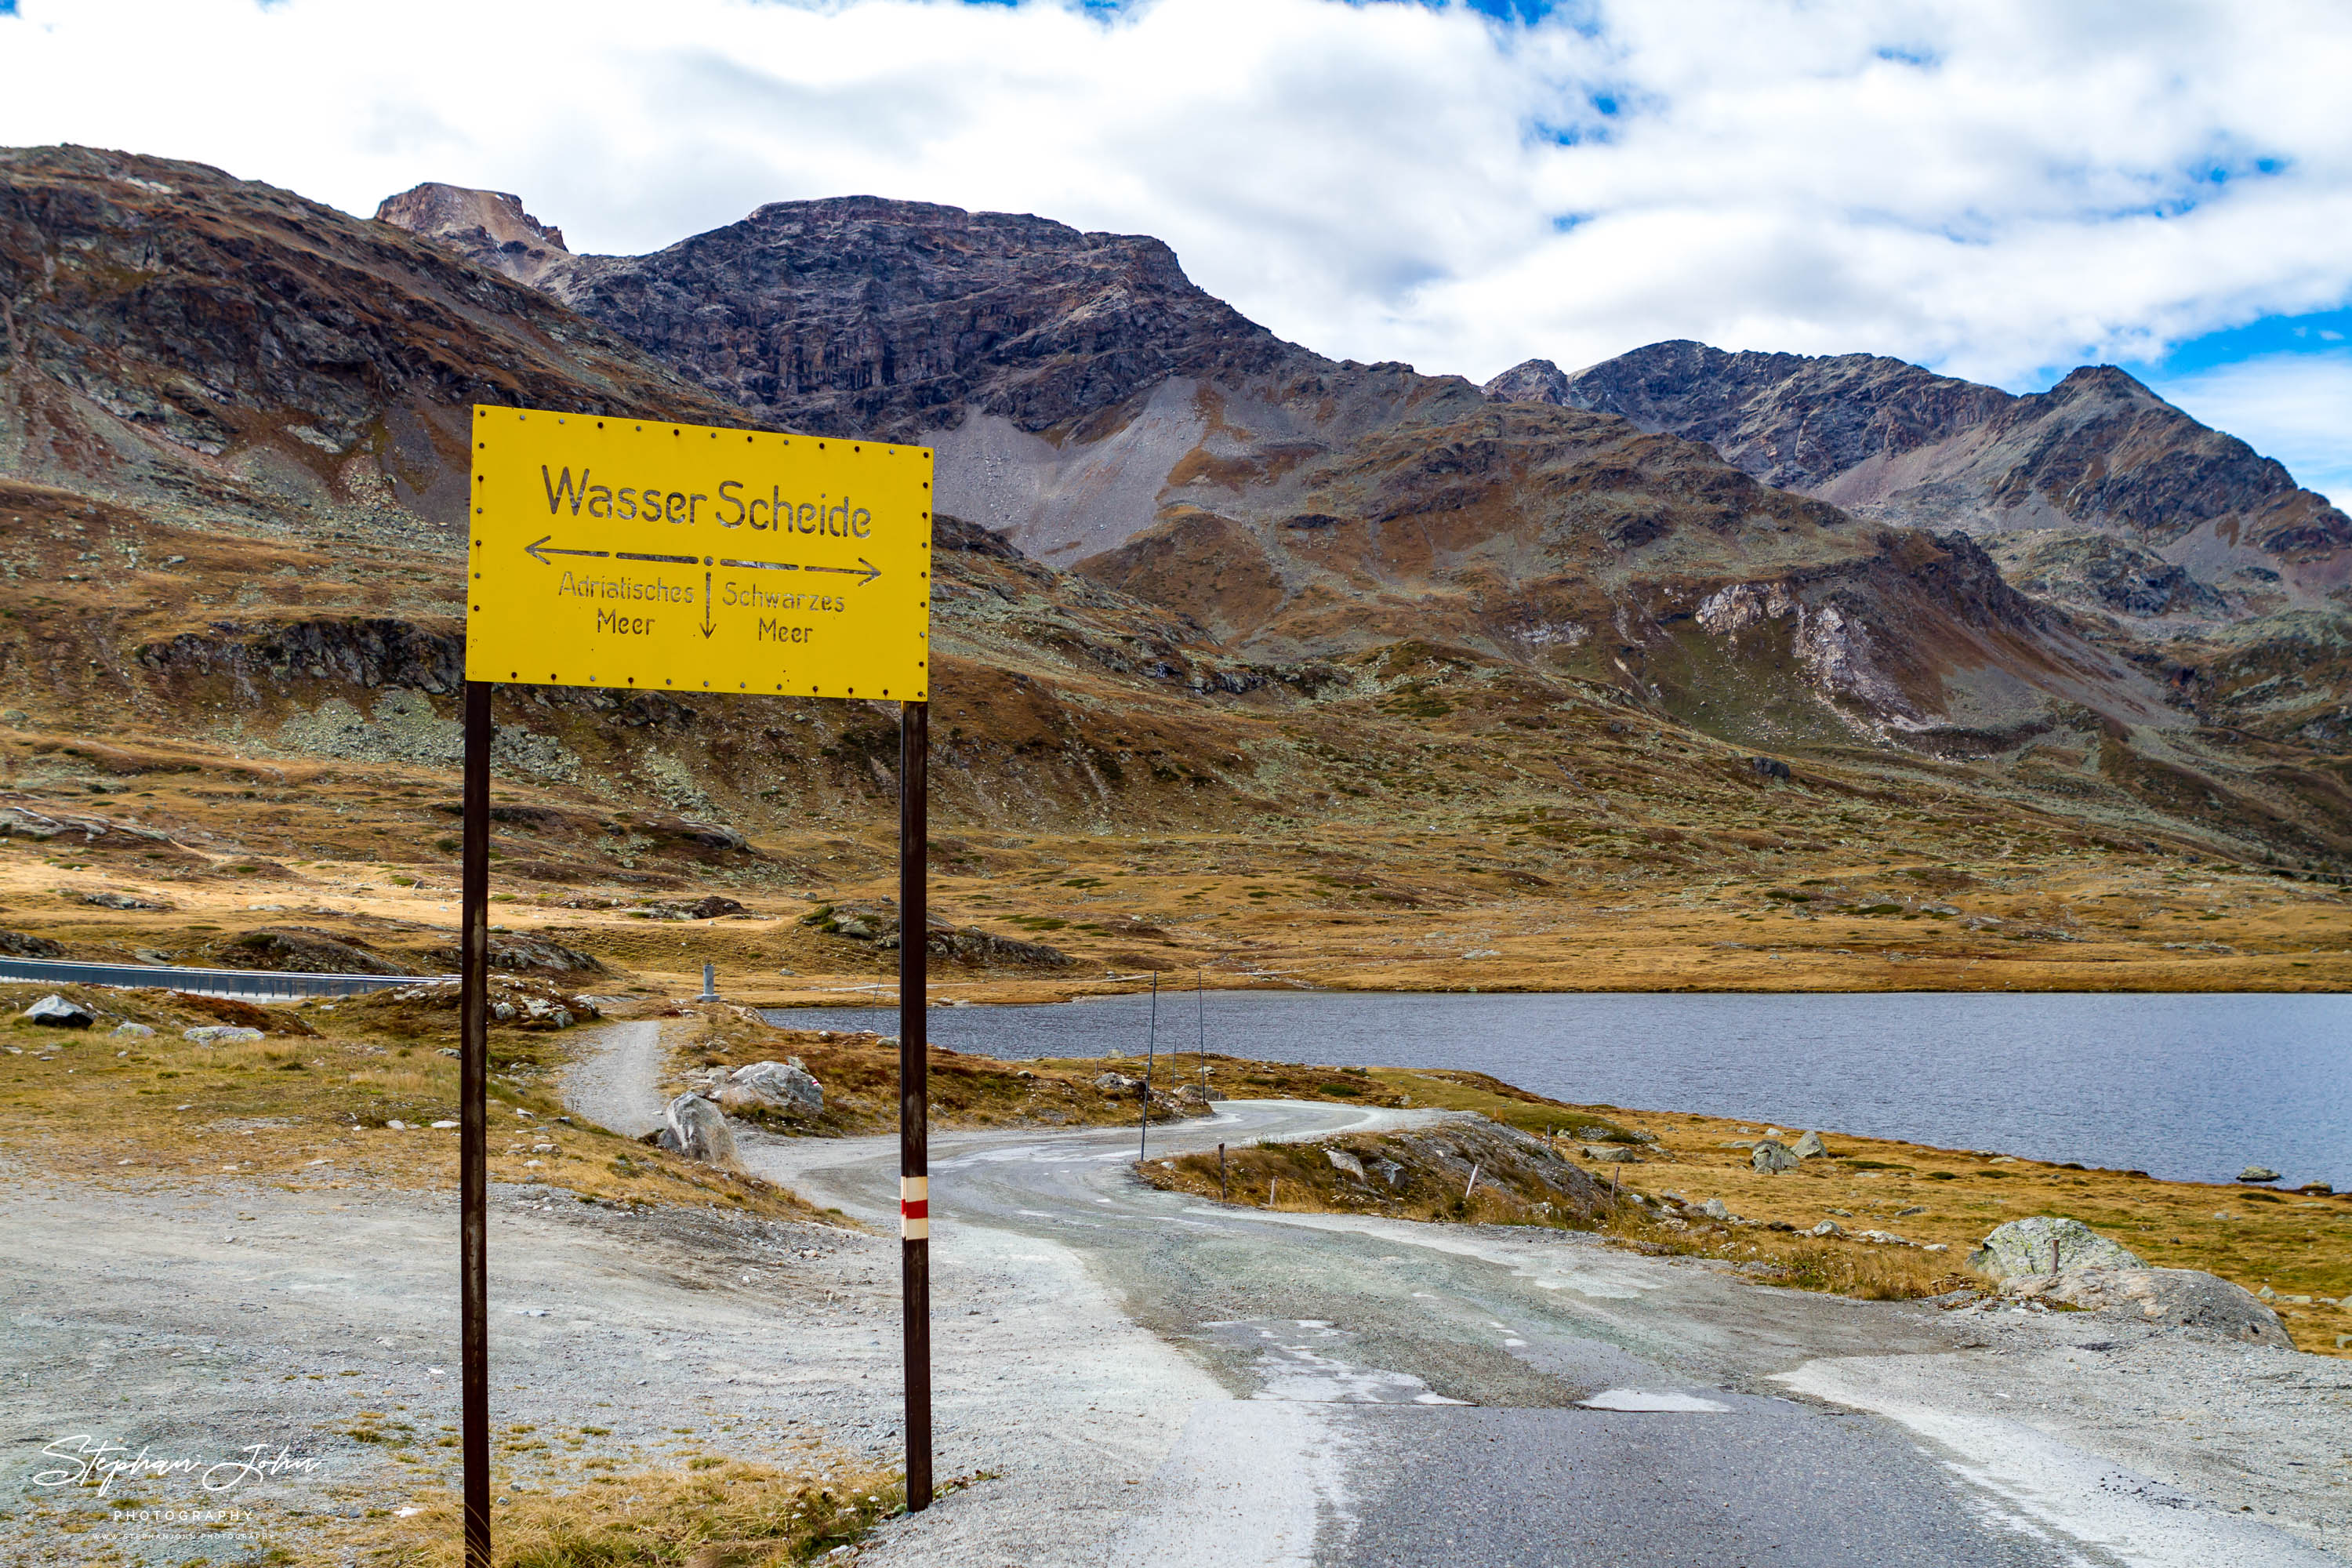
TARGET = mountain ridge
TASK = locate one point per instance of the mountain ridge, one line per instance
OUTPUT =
(1231, 583)
(2202, 524)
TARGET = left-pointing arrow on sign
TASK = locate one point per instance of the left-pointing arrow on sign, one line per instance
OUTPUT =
(539, 551)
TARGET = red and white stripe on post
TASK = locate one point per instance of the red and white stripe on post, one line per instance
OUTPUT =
(914, 1208)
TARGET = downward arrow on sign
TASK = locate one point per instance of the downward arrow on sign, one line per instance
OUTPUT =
(707, 628)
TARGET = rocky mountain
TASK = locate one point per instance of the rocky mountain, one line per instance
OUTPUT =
(2097, 491)
(1194, 575)
(1094, 406)
(883, 317)
(171, 334)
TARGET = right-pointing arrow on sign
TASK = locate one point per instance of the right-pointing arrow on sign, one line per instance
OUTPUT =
(865, 569)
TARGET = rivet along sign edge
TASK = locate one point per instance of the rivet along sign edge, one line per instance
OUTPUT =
(641, 554)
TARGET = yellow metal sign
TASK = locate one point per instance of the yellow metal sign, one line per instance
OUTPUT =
(646, 555)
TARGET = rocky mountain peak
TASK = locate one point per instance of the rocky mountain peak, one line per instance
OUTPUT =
(1530, 381)
(2098, 453)
(489, 228)
(871, 315)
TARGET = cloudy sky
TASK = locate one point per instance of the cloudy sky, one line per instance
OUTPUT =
(2000, 189)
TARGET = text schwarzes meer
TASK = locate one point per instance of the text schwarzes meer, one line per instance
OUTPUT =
(772, 511)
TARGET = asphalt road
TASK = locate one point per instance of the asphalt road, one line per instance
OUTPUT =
(1413, 1394)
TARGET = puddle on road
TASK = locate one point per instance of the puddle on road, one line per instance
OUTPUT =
(1297, 1360)
(1641, 1399)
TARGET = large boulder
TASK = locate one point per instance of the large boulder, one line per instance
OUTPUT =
(55, 1012)
(2178, 1298)
(696, 1128)
(303, 949)
(1811, 1147)
(18, 944)
(2047, 1244)
(773, 1085)
(1771, 1156)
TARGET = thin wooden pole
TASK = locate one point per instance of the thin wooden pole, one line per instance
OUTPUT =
(473, 1128)
(914, 1093)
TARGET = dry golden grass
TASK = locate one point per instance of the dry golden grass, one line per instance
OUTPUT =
(1297, 1178)
(710, 1513)
(310, 1113)
(2298, 1245)
(860, 1076)
(1686, 881)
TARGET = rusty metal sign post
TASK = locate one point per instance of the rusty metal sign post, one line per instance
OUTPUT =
(643, 555)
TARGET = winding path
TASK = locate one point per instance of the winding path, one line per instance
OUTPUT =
(1342, 1390)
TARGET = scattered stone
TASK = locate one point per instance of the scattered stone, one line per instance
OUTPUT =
(1883, 1239)
(773, 1085)
(222, 1035)
(2258, 1173)
(18, 944)
(1714, 1209)
(2316, 1190)
(110, 901)
(2047, 1244)
(55, 1012)
(697, 1129)
(1116, 1083)
(1827, 1227)
(1346, 1162)
(1771, 1157)
(1609, 1153)
(2176, 1297)
(704, 909)
(1388, 1171)
(1915, 1209)
(129, 1030)
(1811, 1147)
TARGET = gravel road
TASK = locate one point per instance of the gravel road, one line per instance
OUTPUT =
(1145, 1380)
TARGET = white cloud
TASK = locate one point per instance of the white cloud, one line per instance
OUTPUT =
(1994, 186)
(2294, 407)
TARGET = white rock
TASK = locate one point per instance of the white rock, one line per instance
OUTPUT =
(2180, 1298)
(2047, 1244)
(56, 1013)
(128, 1030)
(697, 1129)
(222, 1035)
(784, 1086)
(1343, 1160)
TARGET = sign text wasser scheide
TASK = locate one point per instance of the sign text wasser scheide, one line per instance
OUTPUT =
(640, 555)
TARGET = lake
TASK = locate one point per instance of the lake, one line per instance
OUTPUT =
(2187, 1088)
